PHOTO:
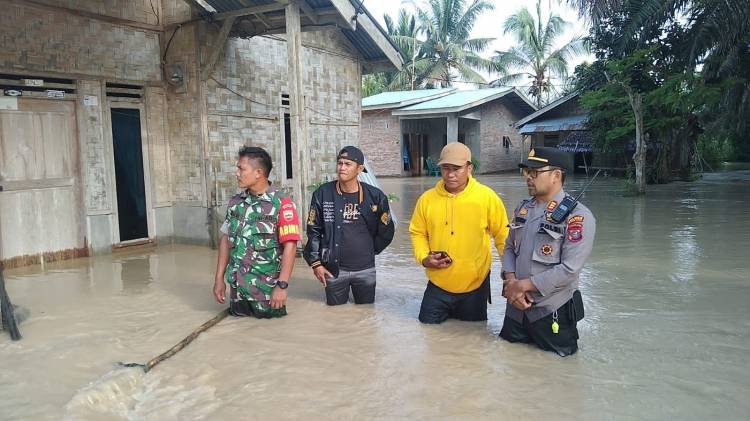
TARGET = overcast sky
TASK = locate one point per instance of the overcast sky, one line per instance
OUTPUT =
(490, 24)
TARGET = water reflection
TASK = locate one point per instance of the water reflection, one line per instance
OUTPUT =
(665, 334)
(135, 274)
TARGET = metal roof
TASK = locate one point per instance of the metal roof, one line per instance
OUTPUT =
(362, 39)
(575, 122)
(463, 100)
(398, 99)
(549, 107)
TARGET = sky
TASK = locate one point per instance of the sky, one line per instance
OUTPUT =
(490, 24)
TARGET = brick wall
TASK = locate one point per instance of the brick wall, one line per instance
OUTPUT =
(497, 121)
(380, 140)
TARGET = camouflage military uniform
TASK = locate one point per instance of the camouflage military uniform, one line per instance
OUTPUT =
(257, 227)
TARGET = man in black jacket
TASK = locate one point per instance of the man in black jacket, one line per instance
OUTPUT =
(348, 224)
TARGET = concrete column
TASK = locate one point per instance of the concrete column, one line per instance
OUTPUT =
(301, 154)
(452, 128)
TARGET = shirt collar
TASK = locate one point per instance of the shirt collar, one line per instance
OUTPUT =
(265, 196)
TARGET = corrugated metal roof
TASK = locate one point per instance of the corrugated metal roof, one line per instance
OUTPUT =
(402, 98)
(459, 99)
(575, 122)
(549, 107)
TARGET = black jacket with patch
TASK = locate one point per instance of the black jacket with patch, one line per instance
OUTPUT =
(325, 217)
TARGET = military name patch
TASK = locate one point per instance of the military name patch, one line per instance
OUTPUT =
(547, 249)
(575, 232)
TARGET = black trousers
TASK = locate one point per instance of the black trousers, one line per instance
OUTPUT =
(564, 342)
(438, 304)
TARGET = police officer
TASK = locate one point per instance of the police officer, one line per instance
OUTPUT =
(544, 254)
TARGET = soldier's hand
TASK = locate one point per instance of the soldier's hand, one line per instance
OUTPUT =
(322, 274)
(220, 290)
(433, 260)
(278, 298)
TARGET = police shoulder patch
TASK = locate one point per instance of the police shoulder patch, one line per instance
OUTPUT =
(575, 232)
(575, 218)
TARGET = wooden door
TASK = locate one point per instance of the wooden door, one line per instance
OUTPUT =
(41, 206)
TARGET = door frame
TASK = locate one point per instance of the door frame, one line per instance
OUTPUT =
(108, 137)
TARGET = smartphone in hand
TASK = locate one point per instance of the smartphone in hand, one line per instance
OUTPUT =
(442, 255)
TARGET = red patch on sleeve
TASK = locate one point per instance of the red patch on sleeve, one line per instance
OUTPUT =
(575, 232)
(288, 221)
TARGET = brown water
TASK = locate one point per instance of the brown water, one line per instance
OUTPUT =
(666, 334)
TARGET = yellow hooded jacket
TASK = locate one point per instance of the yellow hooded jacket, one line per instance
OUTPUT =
(461, 225)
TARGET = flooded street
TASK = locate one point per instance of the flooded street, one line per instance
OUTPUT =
(666, 333)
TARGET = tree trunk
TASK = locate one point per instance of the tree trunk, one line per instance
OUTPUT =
(639, 157)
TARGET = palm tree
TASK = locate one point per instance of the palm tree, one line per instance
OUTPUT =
(448, 51)
(534, 57)
(404, 34)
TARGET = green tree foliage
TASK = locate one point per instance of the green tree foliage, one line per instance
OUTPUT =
(688, 61)
(436, 47)
(448, 50)
(374, 84)
(534, 58)
(702, 81)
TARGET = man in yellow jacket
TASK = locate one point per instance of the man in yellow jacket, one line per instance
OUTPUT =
(450, 232)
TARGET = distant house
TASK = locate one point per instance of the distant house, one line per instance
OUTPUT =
(403, 132)
(561, 124)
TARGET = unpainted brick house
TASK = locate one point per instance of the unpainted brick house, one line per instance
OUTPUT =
(403, 132)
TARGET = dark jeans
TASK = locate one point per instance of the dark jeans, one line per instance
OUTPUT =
(258, 309)
(564, 342)
(438, 304)
(361, 282)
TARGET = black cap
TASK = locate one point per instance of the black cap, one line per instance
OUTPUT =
(541, 157)
(352, 153)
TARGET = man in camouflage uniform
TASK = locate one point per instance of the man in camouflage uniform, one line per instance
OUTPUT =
(258, 243)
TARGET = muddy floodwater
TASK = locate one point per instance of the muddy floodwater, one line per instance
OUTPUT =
(666, 334)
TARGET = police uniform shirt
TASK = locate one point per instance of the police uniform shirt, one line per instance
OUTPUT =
(551, 255)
